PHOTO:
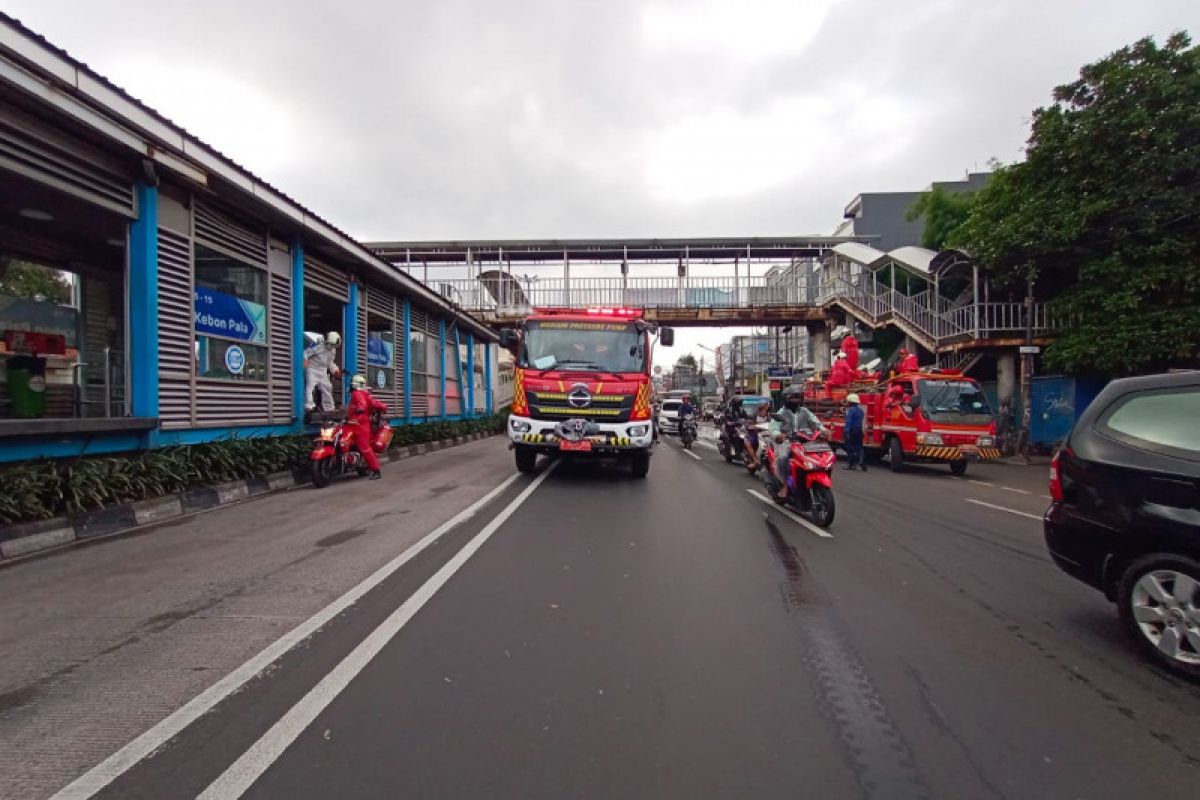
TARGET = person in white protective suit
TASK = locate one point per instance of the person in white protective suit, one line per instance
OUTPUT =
(320, 362)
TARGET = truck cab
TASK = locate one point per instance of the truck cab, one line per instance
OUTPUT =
(582, 385)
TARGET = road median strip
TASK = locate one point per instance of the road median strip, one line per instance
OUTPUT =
(28, 538)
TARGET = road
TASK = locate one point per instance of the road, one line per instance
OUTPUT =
(583, 634)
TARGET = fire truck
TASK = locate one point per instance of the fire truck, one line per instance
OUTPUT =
(582, 385)
(936, 416)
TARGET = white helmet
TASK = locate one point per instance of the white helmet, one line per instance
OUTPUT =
(358, 382)
(841, 354)
(852, 398)
(334, 338)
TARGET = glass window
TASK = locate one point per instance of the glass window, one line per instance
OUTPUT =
(231, 317)
(1168, 419)
(954, 402)
(417, 351)
(381, 355)
(594, 346)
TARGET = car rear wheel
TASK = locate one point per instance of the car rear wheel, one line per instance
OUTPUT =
(1158, 599)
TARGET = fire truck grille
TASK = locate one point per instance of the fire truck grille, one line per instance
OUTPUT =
(557, 405)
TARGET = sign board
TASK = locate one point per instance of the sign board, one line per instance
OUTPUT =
(779, 372)
(380, 352)
(1030, 350)
(776, 386)
(235, 359)
(225, 315)
(658, 369)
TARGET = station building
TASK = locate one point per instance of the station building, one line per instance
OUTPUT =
(154, 292)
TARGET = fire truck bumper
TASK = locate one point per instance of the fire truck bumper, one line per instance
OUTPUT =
(966, 452)
(606, 438)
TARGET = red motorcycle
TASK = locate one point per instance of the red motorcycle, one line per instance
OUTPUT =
(334, 452)
(810, 476)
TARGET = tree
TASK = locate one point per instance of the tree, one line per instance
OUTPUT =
(33, 282)
(943, 211)
(686, 360)
(1104, 213)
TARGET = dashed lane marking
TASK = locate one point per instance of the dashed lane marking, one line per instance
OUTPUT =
(794, 517)
(690, 453)
(1017, 491)
(1003, 508)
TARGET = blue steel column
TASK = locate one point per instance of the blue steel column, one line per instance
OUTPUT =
(470, 390)
(298, 329)
(407, 360)
(350, 332)
(487, 378)
(442, 363)
(143, 307)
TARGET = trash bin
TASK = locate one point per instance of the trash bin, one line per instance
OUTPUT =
(27, 386)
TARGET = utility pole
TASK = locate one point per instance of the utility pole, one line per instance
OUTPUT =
(1027, 353)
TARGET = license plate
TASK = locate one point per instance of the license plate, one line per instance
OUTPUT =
(583, 446)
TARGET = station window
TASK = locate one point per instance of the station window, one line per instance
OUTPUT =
(231, 317)
(381, 356)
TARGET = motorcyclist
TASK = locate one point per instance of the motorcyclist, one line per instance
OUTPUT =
(762, 416)
(686, 409)
(362, 403)
(320, 362)
(792, 418)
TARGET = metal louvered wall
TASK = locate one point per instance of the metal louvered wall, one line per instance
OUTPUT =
(218, 229)
(280, 340)
(384, 305)
(175, 326)
(32, 148)
(362, 332)
(321, 277)
(419, 321)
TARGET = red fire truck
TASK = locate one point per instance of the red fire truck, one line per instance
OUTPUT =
(932, 416)
(582, 385)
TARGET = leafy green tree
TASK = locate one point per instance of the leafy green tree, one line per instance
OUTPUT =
(1104, 213)
(33, 282)
(943, 211)
(686, 360)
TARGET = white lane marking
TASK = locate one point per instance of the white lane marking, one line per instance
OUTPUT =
(979, 483)
(1045, 497)
(1003, 508)
(1018, 491)
(262, 754)
(795, 517)
(111, 768)
(690, 453)
(708, 444)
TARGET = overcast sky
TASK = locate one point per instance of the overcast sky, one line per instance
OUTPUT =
(559, 118)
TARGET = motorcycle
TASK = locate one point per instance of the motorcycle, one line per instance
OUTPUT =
(731, 443)
(687, 431)
(334, 452)
(810, 476)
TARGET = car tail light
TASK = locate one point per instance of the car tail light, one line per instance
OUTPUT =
(1056, 489)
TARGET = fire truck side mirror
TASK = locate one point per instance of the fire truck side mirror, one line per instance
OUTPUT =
(666, 336)
(509, 339)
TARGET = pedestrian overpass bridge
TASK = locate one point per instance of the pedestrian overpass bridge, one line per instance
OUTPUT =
(937, 298)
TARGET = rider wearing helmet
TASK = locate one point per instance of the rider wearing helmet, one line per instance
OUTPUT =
(359, 410)
(792, 417)
(320, 361)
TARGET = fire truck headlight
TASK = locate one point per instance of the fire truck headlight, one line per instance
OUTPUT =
(638, 430)
(519, 426)
(986, 441)
(929, 438)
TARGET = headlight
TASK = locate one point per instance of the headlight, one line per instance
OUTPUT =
(929, 438)
(327, 433)
(986, 441)
(638, 430)
(520, 426)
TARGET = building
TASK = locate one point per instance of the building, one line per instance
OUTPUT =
(161, 293)
(882, 216)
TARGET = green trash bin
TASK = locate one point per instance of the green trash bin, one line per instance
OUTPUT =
(27, 386)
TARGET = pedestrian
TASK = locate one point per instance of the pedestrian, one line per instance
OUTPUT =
(320, 362)
(853, 432)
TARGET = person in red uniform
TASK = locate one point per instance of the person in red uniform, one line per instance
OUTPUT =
(850, 348)
(908, 361)
(841, 374)
(360, 408)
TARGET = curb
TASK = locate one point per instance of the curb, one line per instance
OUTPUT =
(28, 538)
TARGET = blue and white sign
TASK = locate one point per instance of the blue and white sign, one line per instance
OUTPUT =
(381, 379)
(235, 359)
(225, 315)
(380, 352)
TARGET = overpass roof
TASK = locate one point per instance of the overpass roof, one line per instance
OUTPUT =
(529, 250)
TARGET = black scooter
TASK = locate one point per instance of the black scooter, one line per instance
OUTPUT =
(731, 443)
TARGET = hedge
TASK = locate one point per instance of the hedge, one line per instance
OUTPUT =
(42, 489)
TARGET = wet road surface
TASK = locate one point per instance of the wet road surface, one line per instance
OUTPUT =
(587, 635)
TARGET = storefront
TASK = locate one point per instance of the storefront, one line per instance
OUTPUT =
(152, 292)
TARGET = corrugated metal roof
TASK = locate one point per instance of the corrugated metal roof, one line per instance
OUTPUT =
(365, 257)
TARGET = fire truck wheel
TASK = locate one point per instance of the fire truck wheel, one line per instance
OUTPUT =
(639, 463)
(895, 455)
(959, 468)
(526, 459)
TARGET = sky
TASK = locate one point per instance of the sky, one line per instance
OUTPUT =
(448, 119)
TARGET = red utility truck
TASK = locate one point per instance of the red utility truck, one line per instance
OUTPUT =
(582, 385)
(932, 416)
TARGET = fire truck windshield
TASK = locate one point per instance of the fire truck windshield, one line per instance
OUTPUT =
(587, 346)
(954, 402)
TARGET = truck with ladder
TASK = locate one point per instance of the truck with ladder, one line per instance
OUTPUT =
(582, 385)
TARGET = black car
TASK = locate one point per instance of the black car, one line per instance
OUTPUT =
(1125, 516)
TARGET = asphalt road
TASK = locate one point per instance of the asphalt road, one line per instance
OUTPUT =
(587, 635)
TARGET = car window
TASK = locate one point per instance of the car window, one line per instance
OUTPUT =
(671, 405)
(1168, 419)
